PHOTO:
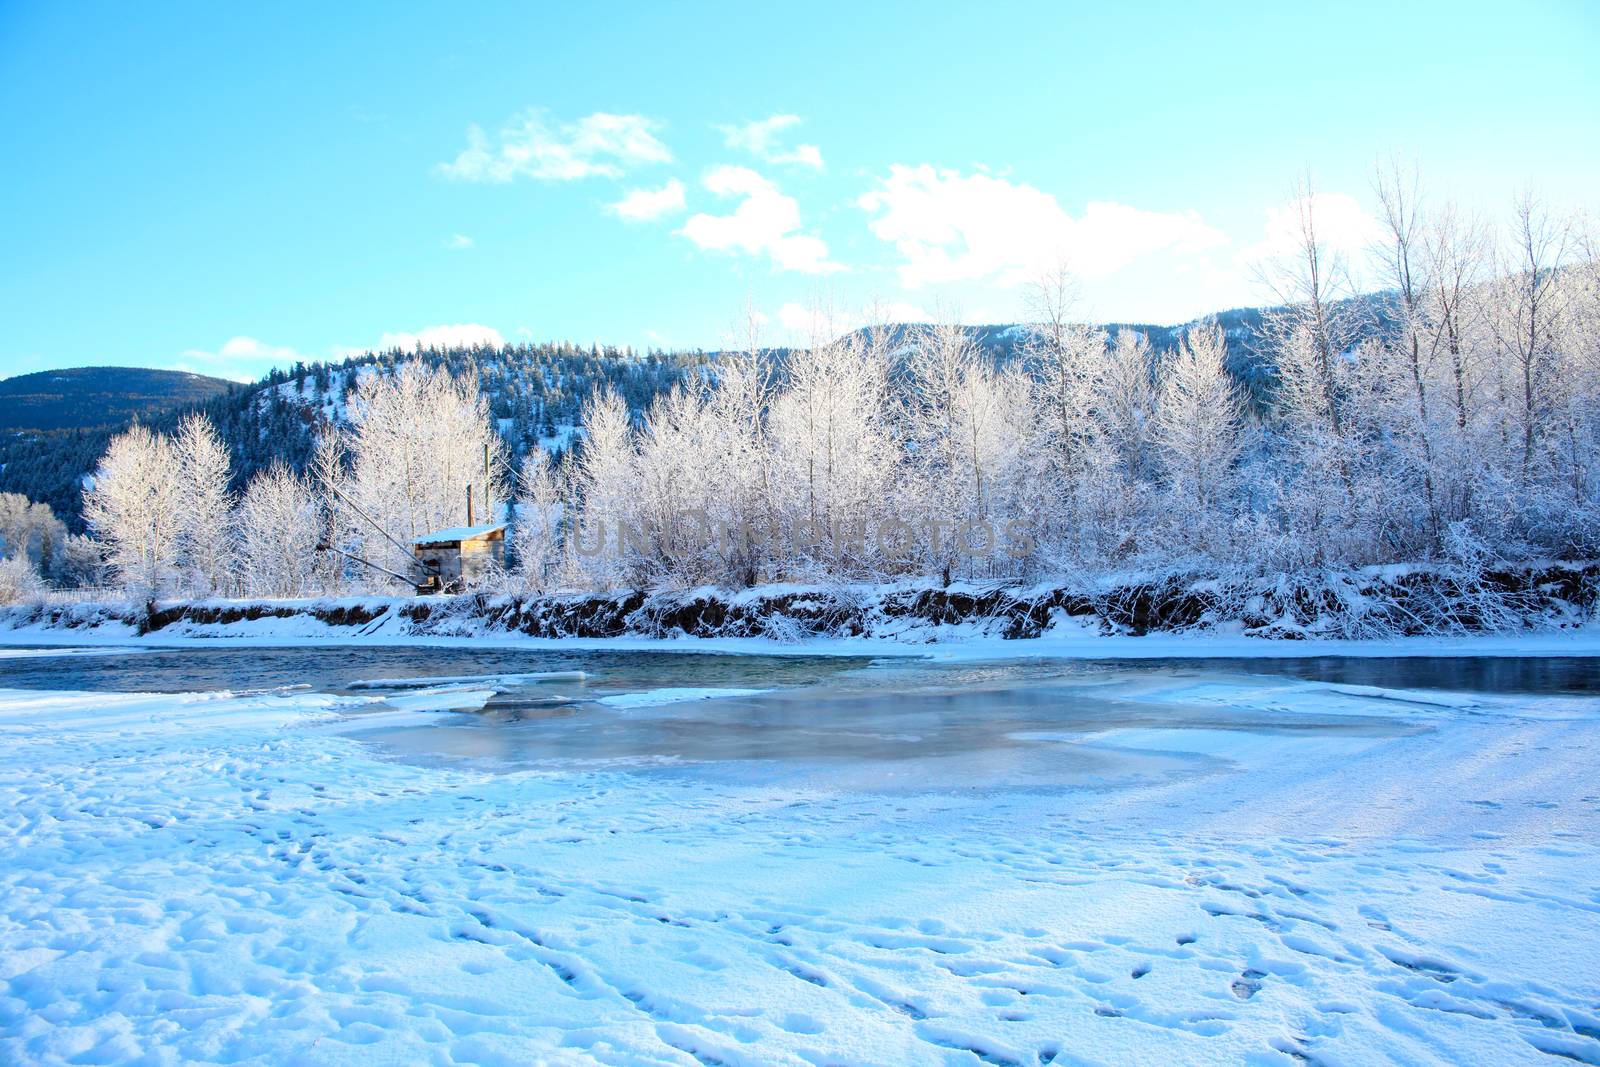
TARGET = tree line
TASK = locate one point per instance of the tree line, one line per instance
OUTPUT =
(1459, 423)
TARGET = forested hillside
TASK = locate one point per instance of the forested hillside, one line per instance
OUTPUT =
(534, 392)
(97, 397)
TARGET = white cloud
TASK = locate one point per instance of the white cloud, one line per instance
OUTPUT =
(806, 154)
(950, 227)
(765, 221)
(530, 146)
(240, 359)
(642, 205)
(1343, 227)
(459, 335)
(761, 139)
(458, 241)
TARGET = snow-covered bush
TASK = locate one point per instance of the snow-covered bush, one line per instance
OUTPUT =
(19, 582)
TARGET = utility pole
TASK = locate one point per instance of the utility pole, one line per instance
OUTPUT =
(488, 492)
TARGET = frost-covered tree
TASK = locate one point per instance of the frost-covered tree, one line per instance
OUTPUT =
(1063, 358)
(1401, 376)
(328, 477)
(205, 540)
(1573, 433)
(29, 530)
(1198, 430)
(1456, 368)
(740, 506)
(538, 538)
(133, 505)
(81, 561)
(279, 528)
(702, 477)
(19, 580)
(1312, 338)
(935, 375)
(833, 457)
(605, 539)
(16, 525)
(990, 429)
(1117, 467)
(673, 487)
(1534, 491)
(1455, 252)
(1123, 395)
(1527, 304)
(418, 438)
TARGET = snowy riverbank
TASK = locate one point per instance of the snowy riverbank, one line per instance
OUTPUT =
(1301, 873)
(1516, 611)
(297, 631)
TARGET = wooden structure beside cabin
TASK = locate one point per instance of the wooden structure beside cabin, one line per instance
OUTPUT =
(453, 558)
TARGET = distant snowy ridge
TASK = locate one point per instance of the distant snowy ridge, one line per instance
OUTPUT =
(1377, 602)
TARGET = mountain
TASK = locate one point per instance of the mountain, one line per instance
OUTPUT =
(85, 398)
(535, 395)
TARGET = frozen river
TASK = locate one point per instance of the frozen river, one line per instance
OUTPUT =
(398, 855)
(829, 722)
(152, 668)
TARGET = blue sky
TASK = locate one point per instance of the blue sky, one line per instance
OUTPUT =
(224, 187)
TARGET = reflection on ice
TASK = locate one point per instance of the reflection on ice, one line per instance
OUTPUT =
(652, 698)
(900, 727)
(468, 679)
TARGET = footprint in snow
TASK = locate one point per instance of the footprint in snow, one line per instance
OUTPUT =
(1247, 984)
(797, 1022)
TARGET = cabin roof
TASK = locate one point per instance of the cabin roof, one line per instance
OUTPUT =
(457, 534)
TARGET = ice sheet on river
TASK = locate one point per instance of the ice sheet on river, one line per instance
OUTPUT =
(533, 678)
(655, 698)
(233, 879)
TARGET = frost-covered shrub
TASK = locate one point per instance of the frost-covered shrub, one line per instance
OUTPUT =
(19, 581)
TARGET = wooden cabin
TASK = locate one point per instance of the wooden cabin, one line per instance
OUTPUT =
(453, 558)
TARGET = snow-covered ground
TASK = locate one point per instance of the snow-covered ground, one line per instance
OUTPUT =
(945, 643)
(1338, 875)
